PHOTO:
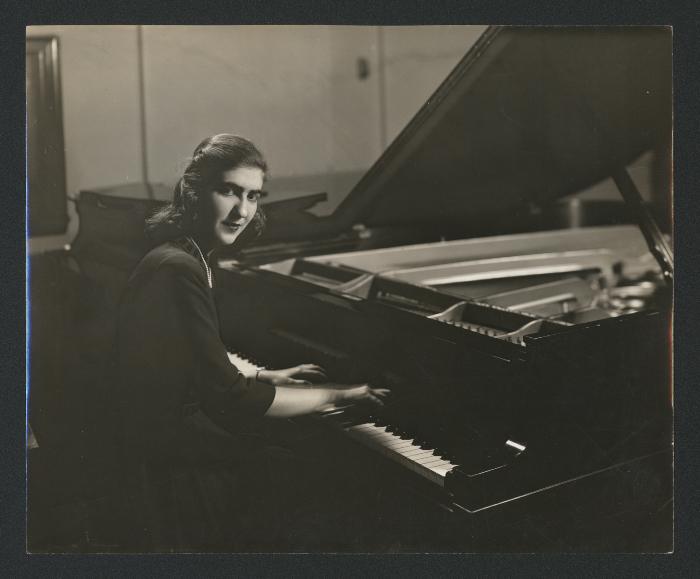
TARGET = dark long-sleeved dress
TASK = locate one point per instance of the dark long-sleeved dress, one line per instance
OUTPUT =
(201, 472)
(186, 399)
(190, 419)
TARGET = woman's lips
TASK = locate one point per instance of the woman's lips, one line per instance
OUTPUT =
(232, 225)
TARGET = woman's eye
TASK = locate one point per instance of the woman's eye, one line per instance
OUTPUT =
(253, 195)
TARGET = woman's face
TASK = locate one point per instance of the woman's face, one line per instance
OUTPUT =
(231, 205)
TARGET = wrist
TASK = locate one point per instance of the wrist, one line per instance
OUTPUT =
(335, 397)
(341, 396)
(263, 376)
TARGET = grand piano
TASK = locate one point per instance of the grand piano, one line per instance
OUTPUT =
(528, 362)
(523, 329)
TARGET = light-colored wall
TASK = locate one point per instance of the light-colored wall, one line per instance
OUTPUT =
(416, 60)
(294, 90)
(101, 121)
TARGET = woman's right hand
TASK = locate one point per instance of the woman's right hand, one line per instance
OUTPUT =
(295, 401)
(363, 393)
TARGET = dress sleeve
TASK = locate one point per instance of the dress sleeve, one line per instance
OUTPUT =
(225, 395)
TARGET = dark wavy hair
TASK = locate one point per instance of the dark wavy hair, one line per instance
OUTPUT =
(213, 156)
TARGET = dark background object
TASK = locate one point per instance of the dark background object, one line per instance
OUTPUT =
(527, 117)
(46, 157)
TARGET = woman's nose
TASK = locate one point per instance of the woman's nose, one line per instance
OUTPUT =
(241, 208)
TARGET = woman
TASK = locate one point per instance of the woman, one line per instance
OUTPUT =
(191, 419)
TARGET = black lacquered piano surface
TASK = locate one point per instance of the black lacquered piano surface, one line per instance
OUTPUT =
(496, 413)
(528, 358)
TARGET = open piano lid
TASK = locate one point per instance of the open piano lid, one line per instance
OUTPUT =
(529, 115)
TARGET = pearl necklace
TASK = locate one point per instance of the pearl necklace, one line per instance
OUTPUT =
(204, 261)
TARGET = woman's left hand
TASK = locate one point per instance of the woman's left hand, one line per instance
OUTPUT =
(301, 375)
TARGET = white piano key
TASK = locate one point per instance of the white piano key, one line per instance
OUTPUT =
(430, 462)
(416, 452)
(442, 471)
(402, 445)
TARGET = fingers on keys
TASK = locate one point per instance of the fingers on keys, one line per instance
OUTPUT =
(295, 382)
(374, 395)
(312, 371)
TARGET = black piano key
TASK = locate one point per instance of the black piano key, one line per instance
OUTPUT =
(458, 450)
(352, 422)
(350, 417)
(379, 421)
(446, 455)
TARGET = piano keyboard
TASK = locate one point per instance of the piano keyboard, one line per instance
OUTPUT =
(410, 453)
(417, 457)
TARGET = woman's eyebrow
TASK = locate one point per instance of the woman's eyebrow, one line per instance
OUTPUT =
(231, 185)
(239, 189)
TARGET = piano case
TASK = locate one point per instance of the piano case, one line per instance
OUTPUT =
(506, 328)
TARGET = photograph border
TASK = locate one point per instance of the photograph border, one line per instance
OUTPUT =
(686, 205)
